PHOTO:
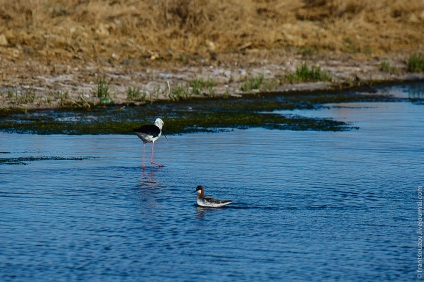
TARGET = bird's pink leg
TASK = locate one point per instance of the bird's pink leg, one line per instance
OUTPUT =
(143, 165)
(151, 157)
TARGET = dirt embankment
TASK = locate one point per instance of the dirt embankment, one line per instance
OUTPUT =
(57, 52)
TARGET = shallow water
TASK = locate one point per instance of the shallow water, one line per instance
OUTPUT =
(308, 205)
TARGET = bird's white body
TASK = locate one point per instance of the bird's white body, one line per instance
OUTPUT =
(205, 201)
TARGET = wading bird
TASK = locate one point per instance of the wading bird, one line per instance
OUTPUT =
(149, 134)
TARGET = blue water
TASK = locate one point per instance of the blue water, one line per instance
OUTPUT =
(308, 206)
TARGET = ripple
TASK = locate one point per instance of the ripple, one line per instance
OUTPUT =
(306, 205)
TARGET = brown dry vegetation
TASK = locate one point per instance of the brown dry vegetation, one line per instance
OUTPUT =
(40, 38)
(132, 29)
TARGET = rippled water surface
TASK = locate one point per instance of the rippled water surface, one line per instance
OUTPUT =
(308, 206)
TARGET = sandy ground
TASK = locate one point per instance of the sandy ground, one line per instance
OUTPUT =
(57, 53)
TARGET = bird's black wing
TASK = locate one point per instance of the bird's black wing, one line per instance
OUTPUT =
(216, 201)
(150, 129)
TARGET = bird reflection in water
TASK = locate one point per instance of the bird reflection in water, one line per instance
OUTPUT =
(203, 211)
(149, 181)
(147, 191)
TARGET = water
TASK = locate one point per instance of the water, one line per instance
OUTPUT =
(308, 206)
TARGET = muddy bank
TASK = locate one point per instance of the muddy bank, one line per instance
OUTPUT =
(30, 84)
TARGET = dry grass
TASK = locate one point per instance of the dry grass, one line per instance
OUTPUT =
(126, 29)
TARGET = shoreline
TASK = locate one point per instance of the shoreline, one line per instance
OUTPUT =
(30, 84)
(207, 114)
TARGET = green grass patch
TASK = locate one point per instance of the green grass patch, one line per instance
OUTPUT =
(309, 51)
(136, 94)
(415, 63)
(258, 83)
(103, 91)
(21, 96)
(179, 92)
(202, 86)
(252, 83)
(305, 73)
(387, 67)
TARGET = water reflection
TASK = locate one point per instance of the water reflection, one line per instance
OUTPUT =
(148, 179)
(148, 194)
(203, 212)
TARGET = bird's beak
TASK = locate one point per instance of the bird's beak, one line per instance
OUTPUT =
(195, 191)
(165, 136)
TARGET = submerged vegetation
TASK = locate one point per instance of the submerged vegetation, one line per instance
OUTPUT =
(213, 114)
(26, 160)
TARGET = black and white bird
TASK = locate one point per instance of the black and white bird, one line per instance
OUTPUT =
(205, 201)
(149, 134)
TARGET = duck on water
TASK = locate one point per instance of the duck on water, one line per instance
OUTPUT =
(205, 201)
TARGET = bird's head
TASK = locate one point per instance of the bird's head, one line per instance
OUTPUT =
(199, 189)
(159, 123)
